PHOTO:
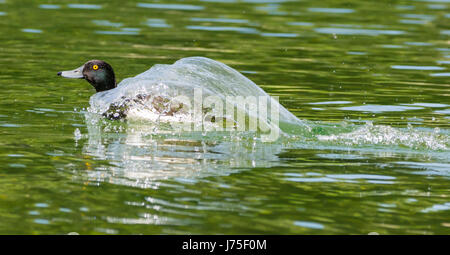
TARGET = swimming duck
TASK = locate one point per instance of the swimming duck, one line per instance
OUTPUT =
(153, 95)
(101, 76)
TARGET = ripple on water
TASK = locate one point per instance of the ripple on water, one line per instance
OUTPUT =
(309, 224)
(148, 220)
(298, 23)
(157, 23)
(441, 169)
(392, 46)
(265, 1)
(405, 7)
(271, 9)
(413, 21)
(279, 35)
(183, 7)
(49, 6)
(446, 111)
(355, 31)
(437, 6)
(65, 210)
(418, 16)
(418, 43)
(440, 74)
(42, 221)
(431, 105)
(123, 31)
(423, 68)
(361, 176)
(15, 165)
(31, 30)
(85, 6)
(331, 10)
(438, 207)
(356, 53)
(10, 125)
(107, 231)
(15, 155)
(434, 1)
(331, 102)
(220, 20)
(340, 156)
(44, 109)
(311, 179)
(41, 205)
(107, 23)
(347, 178)
(379, 108)
(244, 30)
(219, 1)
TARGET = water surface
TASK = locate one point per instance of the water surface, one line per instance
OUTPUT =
(370, 79)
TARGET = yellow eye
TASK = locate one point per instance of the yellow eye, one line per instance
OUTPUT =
(95, 67)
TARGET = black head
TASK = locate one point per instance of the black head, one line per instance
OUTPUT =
(97, 72)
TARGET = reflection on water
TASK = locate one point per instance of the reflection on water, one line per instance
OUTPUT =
(370, 80)
(140, 157)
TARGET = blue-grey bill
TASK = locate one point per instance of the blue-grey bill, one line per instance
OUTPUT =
(73, 74)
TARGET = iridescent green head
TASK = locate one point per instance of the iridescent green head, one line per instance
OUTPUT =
(97, 72)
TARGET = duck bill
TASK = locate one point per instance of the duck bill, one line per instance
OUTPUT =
(73, 74)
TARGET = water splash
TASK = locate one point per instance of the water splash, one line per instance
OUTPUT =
(156, 88)
(370, 134)
(77, 135)
(220, 80)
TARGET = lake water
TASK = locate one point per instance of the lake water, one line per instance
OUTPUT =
(369, 79)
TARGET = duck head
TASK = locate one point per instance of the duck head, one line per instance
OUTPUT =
(97, 72)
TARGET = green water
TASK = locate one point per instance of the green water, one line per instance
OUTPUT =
(335, 65)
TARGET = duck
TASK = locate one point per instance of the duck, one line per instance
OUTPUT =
(153, 95)
(101, 76)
